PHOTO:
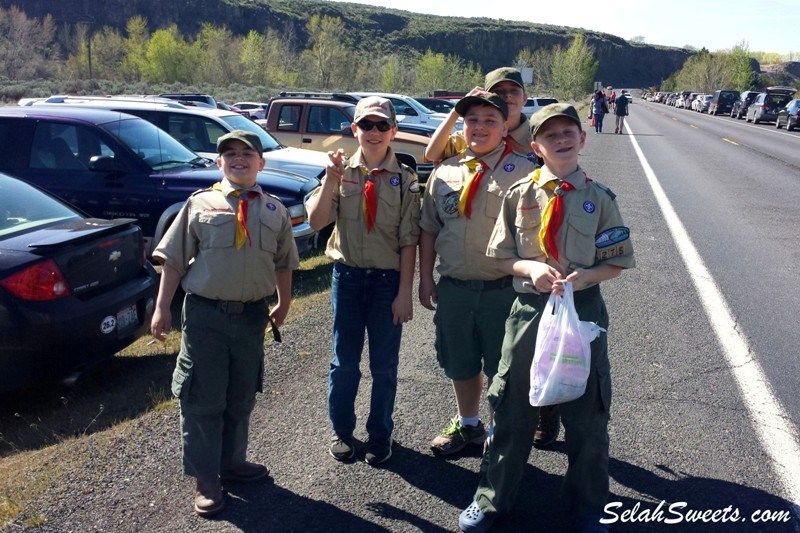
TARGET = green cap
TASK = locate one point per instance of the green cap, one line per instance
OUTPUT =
(552, 111)
(247, 137)
(491, 99)
(503, 74)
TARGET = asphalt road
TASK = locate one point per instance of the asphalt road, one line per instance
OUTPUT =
(680, 431)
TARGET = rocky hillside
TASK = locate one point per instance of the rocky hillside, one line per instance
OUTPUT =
(488, 42)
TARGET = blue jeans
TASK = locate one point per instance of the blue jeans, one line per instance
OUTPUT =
(362, 300)
(598, 121)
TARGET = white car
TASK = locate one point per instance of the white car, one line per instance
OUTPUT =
(532, 105)
(257, 110)
(409, 111)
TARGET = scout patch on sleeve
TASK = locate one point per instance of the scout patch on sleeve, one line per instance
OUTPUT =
(414, 187)
(612, 236)
(612, 251)
(450, 203)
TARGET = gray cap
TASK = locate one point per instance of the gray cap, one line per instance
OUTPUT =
(375, 106)
(247, 137)
(551, 111)
(490, 99)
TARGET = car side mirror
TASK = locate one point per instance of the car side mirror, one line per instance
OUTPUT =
(104, 163)
(344, 126)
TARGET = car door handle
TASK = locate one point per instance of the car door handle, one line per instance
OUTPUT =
(306, 140)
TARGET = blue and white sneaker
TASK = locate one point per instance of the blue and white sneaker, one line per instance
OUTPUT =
(474, 520)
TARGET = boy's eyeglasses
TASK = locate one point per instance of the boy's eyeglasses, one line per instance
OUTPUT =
(367, 125)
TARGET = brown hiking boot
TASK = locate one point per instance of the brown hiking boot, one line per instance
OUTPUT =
(456, 437)
(209, 498)
(244, 473)
(548, 427)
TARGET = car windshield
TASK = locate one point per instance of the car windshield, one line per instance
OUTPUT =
(154, 146)
(23, 207)
(419, 107)
(239, 122)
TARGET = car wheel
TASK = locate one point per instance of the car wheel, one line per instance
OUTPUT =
(789, 126)
(777, 123)
(755, 119)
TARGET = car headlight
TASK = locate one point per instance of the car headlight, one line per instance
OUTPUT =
(297, 213)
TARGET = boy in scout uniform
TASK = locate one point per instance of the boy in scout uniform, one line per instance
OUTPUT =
(507, 82)
(474, 295)
(230, 247)
(374, 201)
(556, 226)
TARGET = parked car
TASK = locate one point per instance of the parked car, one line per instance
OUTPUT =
(741, 104)
(205, 100)
(198, 128)
(112, 164)
(788, 115)
(439, 105)
(322, 122)
(701, 102)
(766, 105)
(722, 102)
(409, 110)
(227, 107)
(257, 110)
(532, 105)
(73, 290)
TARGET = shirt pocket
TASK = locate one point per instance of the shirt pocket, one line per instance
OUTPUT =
(350, 200)
(579, 248)
(527, 223)
(388, 205)
(217, 230)
(447, 196)
(270, 226)
(494, 200)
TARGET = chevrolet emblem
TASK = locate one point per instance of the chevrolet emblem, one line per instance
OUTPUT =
(116, 254)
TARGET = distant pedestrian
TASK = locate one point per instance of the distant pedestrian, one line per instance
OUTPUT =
(599, 108)
(620, 112)
(374, 201)
(230, 247)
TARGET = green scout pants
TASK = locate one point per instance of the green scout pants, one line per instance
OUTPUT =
(469, 325)
(218, 373)
(585, 486)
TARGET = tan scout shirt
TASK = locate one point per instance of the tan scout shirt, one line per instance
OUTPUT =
(200, 245)
(592, 231)
(521, 137)
(396, 221)
(461, 242)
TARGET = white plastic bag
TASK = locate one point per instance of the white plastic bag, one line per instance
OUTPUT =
(563, 357)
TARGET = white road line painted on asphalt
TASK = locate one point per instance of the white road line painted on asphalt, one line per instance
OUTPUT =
(730, 141)
(772, 424)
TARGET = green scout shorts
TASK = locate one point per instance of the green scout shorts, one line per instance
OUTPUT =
(470, 324)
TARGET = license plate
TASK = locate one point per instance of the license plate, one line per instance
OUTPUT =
(127, 318)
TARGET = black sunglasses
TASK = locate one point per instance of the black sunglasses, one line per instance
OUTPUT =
(367, 125)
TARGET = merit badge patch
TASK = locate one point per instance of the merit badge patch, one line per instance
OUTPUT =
(612, 236)
(271, 206)
(394, 181)
(508, 167)
(588, 206)
(450, 203)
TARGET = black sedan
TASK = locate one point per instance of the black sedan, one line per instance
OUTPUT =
(73, 290)
(788, 115)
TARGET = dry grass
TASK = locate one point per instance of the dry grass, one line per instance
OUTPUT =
(48, 432)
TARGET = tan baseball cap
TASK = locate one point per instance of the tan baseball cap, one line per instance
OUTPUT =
(247, 137)
(552, 111)
(375, 106)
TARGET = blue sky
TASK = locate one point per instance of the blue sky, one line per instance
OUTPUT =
(766, 25)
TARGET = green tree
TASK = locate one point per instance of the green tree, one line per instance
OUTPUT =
(574, 69)
(26, 44)
(738, 63)
(217, 51)
(253, 57)
(541, 61)
(281, 63)
(391, 75)
(169, 58)
(438, 71)
(327, 58)
(135, 48)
